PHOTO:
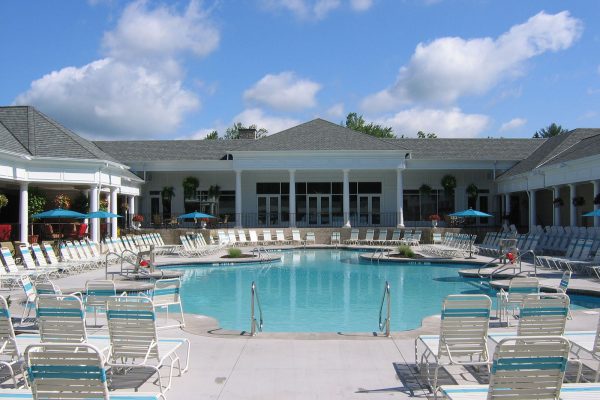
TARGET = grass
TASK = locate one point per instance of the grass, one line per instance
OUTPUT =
(235, 253)
(406, 251)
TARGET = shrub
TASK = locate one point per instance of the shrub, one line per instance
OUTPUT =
(406, 251)
(234, 253)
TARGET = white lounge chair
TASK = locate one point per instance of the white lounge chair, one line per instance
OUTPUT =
(353, 237)
(462, 339)
(166, 293)
(61, 319)
(65, 370)
(97, 293)
(11, 358)
(310, 238)
(134, 342)
(523, 368)
(517, 290)
(543, 314)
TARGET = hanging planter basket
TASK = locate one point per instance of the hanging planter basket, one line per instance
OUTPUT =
(449, 183)
(558, 202)
(472, 190)
(578, 201)
(425, 190)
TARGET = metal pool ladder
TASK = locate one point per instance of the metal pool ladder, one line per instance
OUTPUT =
(255, 325)
(385, 323)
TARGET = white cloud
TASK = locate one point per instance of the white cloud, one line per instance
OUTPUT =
(107, 98)
(451, 67)
(513, 124)
(284, 91)
(160, 32)
(315, 9)
(137, 90)
(199, 134)
(256, 116)
(336, 110)
(361, 5)
(445, 123)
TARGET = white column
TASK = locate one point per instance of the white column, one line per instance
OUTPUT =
(399, 199)
(556, 195)
(532, 211)
(238, 198)
(131, 208)
(113, 209)
(596, 206)
(346, 199)
(292, 198)
(23, 211)
(506, 203)
(94, 223)
(573, 209)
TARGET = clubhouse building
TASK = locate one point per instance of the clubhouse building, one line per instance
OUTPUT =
(316, 174)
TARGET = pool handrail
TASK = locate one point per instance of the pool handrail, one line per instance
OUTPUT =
(255, 325)
(385, 324)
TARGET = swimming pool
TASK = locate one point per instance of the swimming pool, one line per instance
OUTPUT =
(327, 291)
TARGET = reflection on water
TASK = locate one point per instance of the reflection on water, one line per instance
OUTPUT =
(323, 291)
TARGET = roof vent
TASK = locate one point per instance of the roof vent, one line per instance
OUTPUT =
(247, 133)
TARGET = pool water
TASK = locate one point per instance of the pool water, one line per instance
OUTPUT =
(327, 291)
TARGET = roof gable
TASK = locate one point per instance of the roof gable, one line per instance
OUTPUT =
(41, 136)
(319, 135)
(550, 150)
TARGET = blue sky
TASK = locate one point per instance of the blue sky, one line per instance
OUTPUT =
(112, 69)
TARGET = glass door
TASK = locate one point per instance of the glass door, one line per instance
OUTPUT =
(269, 210)
(363, 210)
(319, 209)
(369, 210)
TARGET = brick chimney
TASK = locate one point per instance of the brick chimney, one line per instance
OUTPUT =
(247, 133)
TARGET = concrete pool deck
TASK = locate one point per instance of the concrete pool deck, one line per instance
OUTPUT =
(232, 365)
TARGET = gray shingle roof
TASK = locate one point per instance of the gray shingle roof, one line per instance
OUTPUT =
(9, 142)
(570, 144)
(40, 136)
(469, 149)
(171, 150)
(317, 135)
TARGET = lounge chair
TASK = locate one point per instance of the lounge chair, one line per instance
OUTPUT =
(462, 339)
(296, 238)
(254, 237)
(134, 342)
(30, 297)
(310, 238)
(353, 237)
(517, 290)
(281, 237)
(11, 278)
(267, 240)
(587, 343)
(543, 314)
(335, 238)
(368, 237)
(167, 293)
(47, 287)
(395, 239)
(29, 264)
(66, 370)
(11, 357)
(61, 318)
(97, 292)
(523, 368)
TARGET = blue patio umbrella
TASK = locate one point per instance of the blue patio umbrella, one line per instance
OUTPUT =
(595, 213)
(195, 215)
(101, 214)
(470, 213)
(58, 213)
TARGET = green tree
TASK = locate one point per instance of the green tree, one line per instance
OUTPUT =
(550, 131)
(423, 135)
(212, 136)
(190, 185)
(357, 123)
(234, 131)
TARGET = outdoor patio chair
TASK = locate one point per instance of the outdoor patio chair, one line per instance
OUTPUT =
(531, 368)
(167, 292)
(543, 314)
(462, 339)
(47, 254)
(368, 237)
(353, 237)
(267, 240)
(513, 298)
(242, 237)
(11, 358)
(61, 318)
(11, 275)
(30, 297)
(47, 287)
(335, 238)
(69, 370)
(381, 237)
(254, 237)
(296, 238)
(134, 342)
(30, 264)
(395, 239)
(97, 292)
(310, 238)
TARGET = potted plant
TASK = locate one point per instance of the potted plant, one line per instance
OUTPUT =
(214, 192)
(472, 190)
(448, 183)
(190, 185)
(137, 220)
(578, 201)
(103, 204)
(3, 201)
(36, 204)
(425, 190)
(434, 218)
(62, 201)
(558, 202)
